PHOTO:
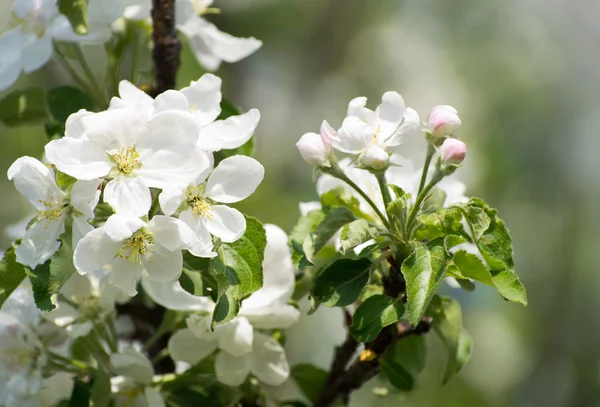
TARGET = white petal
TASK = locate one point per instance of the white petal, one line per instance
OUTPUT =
(85, 195)
(173, 166)
(40, 242)
(125, 275)
(131, 363)
(37, 53)
(94, 251)
(204, 247)
(411, 122)
(11, 48)
(236, 336)
(34, 181)
(81, 227)
(80, 329)
(185, 347)
(389, 114)
(232, 370)
(73, 126)
(171, 100)
(199, 324)
(172, 233)
(64, 314)
(170, 128)
(170, 200)
(234, 179)
(172, 296)
(163, 265)
(268, 361)
(78, 158)
(134, 98)
(128, 196)
(226, 223)
(357, 108)
(227, 47)
(153, 397)
(355, 136)
(204, 98)
(77, 287)
(272, 316)
(115, 129)
(120, 227)
(55, 388)
(233, 131)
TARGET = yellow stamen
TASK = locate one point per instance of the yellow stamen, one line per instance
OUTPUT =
(53, 209)
(127, 160)
(200, 206)
(135, 248)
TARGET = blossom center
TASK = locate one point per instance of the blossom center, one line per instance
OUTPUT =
(34, 23)
(127, 160)
(16, 359)
(53, 209)
(200, 206)
(135, 248)
(89, 306)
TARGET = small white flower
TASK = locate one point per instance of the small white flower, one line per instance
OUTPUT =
(131, 247)
(234, 179)
(385, 127)
(210, 46)
(28, 46)
(316, 149)
(132, 387)
(53, 206)
(134, 153)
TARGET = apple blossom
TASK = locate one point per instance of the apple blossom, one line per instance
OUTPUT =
(234, 179)
(316, 149)
(53, 206)
(134, 153)
(443, 121)
(375, 158)
(385, 127)
(453, 151)
(132, 247)
(133, 385)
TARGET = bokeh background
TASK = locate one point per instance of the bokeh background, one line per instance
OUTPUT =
(525, 77)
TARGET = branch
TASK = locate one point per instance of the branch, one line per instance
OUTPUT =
(166, 45)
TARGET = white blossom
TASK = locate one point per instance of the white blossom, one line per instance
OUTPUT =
(131, 247)
(234, 179)
(36, 182)
(442, 121)
(316, 149)
(134, 153)
(132, 388)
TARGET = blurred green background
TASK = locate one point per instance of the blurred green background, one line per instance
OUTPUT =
(522, 74)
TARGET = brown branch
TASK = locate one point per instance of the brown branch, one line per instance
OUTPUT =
(166, 45)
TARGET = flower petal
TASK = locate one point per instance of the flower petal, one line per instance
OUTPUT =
(172, 296)
(131, 363)
(11, 48)
(411, 122)
(40, 242)
(128, 196)
(85, 196)
(204, 97)
(172, 166)
(233, 131)
(234, 179)
(120, 227)
(171, 100)
(226, 223)
(225, 46)
(232, 370)
(235, 337)
(268, 361)
(355, 136)
(163, 265)
(34, 181)
(272, 316)
(204, 247)
(115, 129)
(36, 53)
(153, 397)
(94, 251)
(389, 114)
(169, 128)
(78, 158)
(199, 324)
(134, 98)
(125, 275)
(73, 126)
(170, 200)
(81, 227)
(357, 108)
(185, 347)
(172, 233)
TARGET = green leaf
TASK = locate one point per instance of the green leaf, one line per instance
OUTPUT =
(48, 278)
(377, 312)
(306, 225)
(76, 13)
(333, 221)
(23, 107)
(423, 271)
(65, 100)
(404, 362)
(434, 201)
(63, 180)
(477, 219)
(310, 379)
(238, 270)
(447, 323)
(444, 221)
(11, 274)
(340, 196)
(101, 391)
(340, 283)
(80, 395)
(356, 233)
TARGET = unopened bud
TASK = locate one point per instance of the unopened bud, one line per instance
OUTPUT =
(314, 149)
(443, 121)
(453, 151)
(376, 158)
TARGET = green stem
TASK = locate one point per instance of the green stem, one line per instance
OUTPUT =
(98, 93)
(385, 192)
(67, 66)
(135, 64)
(75, 363)
(428, 157)
(437, 177)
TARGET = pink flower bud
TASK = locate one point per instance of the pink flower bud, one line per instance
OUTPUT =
(376, 158)
(453, 151)
(314, 149)
(442, 121)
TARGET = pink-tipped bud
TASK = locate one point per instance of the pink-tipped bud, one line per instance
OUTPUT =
(376, 158)
(314, 149)
(453, 151)
(443, 121)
